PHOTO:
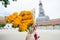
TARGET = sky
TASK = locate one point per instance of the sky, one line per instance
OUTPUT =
(51, 7)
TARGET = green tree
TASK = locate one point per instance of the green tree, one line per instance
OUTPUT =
(6, 2)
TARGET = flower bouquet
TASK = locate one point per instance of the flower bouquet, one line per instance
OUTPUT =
(23, 21)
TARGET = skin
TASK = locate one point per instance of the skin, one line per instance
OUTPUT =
(30, 32)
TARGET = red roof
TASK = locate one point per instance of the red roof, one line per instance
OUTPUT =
(2, 20)
(51, 22)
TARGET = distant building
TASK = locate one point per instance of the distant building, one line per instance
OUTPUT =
(2, 20)
(41, 17)
(44, 22)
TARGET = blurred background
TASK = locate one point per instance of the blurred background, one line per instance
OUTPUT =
(51, 7)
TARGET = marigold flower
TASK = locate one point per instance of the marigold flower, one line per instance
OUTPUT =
(22, 13)
(22, 27)
(30, 16)
(15, 13)
(8, 18)
(29, 13)
(25, 17)
(15, 23)
(19, 18)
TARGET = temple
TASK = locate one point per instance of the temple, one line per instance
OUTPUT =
(41, 17)
(42, 20)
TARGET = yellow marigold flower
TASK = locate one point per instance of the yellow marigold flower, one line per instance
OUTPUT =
(29, 13)
(8, 18)
(8, 21)
(25, 12)
(22, 27)
(25, 17)
(15, 23)
(20, 18)
(22, 13)
(27, 22)
(32, 21)
(30, 16)
(13, 17)
(17, 19)
(15, 14)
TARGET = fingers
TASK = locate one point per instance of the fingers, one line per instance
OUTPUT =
(34, 25)
(33, 28)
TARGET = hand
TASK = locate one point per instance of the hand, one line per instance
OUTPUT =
(33, 28)
(30, 32)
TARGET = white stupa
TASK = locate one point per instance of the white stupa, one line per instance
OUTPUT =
(41, 17)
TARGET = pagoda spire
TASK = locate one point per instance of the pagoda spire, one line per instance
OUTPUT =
(41, 11)
(42, 17)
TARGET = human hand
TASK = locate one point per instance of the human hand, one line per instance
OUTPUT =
(30, 32)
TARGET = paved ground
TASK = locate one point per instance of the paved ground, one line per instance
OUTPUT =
(13, 34)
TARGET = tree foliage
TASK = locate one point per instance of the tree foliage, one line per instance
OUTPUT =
(6, 2)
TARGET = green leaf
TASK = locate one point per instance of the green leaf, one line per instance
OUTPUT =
(14, 26)
(29, 27)
(19, 30)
